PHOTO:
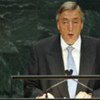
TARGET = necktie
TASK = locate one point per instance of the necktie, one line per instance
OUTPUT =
(72, 85)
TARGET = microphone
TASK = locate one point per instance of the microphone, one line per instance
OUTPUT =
(67, 72)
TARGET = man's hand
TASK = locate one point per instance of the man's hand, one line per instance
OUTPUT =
(44, 96)
(83, 95)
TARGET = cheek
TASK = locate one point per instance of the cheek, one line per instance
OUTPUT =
(78, 28)
(60, 26)
(63, 27)
(63, 30)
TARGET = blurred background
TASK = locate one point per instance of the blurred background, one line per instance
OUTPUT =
(23, 22)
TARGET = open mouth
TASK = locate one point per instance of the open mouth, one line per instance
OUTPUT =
(70, 34)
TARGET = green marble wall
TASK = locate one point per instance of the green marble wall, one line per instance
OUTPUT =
(23, 22)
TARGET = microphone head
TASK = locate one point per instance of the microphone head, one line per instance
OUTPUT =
(69, 72)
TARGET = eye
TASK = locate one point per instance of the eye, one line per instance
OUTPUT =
(75, 22)
(65, 22)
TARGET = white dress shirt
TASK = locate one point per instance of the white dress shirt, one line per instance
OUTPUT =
(75, 53)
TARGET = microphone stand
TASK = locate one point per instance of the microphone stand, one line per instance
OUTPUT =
(53, 87)
(46, 95)
(67, 72)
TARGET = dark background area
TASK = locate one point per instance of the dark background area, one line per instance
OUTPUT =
(23, 22)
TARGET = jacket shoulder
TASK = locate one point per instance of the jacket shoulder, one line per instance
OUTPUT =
(47, 42)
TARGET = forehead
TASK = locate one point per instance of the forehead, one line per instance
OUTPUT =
(70, 14)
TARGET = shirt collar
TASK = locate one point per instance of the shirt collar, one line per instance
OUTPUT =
(76, 45)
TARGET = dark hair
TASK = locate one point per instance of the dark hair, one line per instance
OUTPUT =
(69, 5)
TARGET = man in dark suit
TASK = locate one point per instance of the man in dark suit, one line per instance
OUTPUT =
(49, 57)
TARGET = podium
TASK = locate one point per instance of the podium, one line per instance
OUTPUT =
(49, 77)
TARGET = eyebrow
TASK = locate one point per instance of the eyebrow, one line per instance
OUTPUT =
(72, 19)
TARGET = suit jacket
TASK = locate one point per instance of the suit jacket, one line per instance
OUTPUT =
(46, 59)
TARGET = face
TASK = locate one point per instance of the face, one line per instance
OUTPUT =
(70, 25)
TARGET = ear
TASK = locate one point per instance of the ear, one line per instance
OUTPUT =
(58, 25)
(82, 25)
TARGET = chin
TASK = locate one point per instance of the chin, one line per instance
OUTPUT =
(71, 42)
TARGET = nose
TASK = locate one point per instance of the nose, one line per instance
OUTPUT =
(70, 26)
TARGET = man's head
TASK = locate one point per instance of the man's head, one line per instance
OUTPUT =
(70, 21)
